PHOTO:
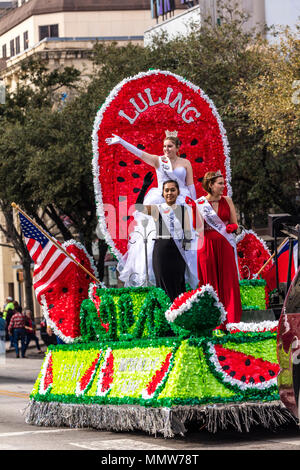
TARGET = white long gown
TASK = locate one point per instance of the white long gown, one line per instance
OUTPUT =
(132, 266)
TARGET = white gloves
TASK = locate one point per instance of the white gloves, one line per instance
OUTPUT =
(192, 190)
(118, 140)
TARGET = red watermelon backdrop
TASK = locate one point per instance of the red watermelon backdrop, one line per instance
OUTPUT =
(140, 109)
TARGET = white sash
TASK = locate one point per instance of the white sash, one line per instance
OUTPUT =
(166, 168)
(177, 233)
(212, 219)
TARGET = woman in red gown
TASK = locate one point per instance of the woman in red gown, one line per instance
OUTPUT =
(216, 257)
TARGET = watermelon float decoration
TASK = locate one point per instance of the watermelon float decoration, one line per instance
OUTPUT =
(106, 375)
(62, 300)
(241, 370)
(46, 381)
(252, 254)
(158, 378)
(140, 109)
(196, 311)
(86, 380)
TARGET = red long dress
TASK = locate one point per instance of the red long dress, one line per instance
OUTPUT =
(217, 267)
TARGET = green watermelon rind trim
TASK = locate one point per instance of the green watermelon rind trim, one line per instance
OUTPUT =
(230, 381)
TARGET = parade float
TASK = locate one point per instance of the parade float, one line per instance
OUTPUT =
(132, 360)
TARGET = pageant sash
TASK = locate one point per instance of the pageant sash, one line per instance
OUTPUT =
(175, 229)
(214, 221)
(166, 168)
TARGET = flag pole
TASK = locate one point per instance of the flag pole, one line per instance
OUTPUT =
(14, 205)
(271, 257)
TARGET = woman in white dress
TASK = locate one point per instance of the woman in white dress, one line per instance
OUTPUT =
(132, 267)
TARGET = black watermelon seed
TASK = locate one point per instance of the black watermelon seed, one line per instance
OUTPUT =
(225, 367)
(140, 146)
(136, 190)
(137, 162)
(80, 290)
(221, 358)
(183, 155)
(126, 217)
(200, 179)
(50, 306)
(135, 175)
(60, 320)
(120, 179)
(199, 160)
(121, 163)
(272, 373)
(87, 276)
(65, 289)
(243, 378)
(247, 362)
(261, 378)
(50, 290)
(251, 380)
(240, 254)
(122, 198)
(232, 373)
(194, 142)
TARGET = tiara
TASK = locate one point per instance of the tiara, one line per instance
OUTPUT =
(216, 175)
(171, 133)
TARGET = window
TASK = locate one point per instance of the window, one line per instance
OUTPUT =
(25, 40)
(12, 47)
(17, 41)
(48, 31)
(4, 51)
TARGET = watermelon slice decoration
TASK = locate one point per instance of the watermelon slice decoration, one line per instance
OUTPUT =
(47, 375)
(242, 370)
(158, 378)
(140, 109)
(62, 299)
(106, 375)
(252, 255)
(97, 302)
(86, 380)
(195, 311)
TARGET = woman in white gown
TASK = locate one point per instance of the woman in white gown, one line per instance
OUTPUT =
(132, 267)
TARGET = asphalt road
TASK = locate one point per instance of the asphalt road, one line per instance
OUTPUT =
(17, 377)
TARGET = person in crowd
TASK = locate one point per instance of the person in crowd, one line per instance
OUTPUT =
(31, 331)
(2, 327)
(16, 328)
(169, 166)
(217, 259)
(9, 337)
(173, 260)
(8, 305)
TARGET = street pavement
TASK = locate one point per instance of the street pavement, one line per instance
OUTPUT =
(17, 377)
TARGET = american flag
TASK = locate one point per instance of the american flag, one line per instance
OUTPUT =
(49, 260)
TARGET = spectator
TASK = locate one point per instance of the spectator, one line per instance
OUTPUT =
(9, 305)
(17, 329)
(9, 315)
(30, 331)
(2, 327)
(47, 334)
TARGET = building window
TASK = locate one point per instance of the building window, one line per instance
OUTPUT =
(4, 51)
(48, 31)
(18, 45)
(25, 40)
(12, 48)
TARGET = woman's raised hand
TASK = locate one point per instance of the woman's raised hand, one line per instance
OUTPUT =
(113, 140)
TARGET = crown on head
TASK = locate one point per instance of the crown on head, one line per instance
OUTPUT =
(216, 175)
(171, 133)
